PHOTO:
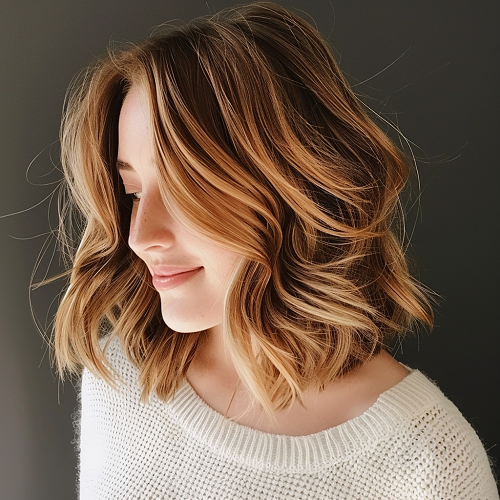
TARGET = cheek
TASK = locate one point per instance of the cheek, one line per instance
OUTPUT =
(225, 265)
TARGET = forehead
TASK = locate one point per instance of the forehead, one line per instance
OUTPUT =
(134, 137)
(134, 113)
(135, 103)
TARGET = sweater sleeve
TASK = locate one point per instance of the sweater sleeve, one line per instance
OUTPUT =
(92, 434)
(102, 414)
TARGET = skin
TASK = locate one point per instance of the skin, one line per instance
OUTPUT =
(159, 239)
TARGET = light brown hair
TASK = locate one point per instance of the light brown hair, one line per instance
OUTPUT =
(263, 144)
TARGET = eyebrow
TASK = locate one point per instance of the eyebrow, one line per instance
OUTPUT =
(123, 165)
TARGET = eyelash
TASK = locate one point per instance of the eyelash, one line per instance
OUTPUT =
(134, 196)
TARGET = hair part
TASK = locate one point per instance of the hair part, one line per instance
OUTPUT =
(263, 144)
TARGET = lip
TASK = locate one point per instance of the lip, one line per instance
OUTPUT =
(174, 279)
(171, 270)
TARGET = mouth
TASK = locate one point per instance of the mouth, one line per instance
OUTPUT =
(174, 279)
(167, 271)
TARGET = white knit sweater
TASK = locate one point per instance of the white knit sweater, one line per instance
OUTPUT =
(413, 443)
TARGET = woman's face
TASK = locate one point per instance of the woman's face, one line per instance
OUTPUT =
(192, 301)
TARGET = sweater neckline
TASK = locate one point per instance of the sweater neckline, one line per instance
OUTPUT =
(393, 408)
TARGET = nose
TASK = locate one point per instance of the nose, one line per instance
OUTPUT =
(151, 225)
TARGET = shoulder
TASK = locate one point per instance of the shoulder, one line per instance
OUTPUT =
(112, 422)
(97, 392)
(116, 359)
(429, 442)
(442, 451)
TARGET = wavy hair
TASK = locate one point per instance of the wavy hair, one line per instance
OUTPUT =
(262, 143)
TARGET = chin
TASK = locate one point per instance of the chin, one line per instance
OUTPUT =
(182, 325)
(179, 316)
(185, 329)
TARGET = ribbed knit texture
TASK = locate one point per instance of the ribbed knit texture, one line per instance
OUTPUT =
(413, 443)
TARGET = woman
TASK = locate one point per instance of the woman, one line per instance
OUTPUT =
(238, 280)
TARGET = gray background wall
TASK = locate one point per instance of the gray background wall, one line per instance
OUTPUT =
(432, 66)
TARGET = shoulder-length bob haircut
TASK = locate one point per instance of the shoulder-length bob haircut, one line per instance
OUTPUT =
(262, 147)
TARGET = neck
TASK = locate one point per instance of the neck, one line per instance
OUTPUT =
(213, 357)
